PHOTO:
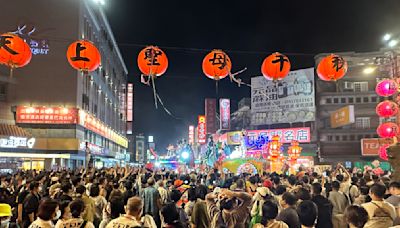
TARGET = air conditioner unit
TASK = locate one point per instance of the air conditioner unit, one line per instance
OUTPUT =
(348, 85)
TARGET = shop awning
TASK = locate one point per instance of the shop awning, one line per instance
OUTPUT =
(13, 130)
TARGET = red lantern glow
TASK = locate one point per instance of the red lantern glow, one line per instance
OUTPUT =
(276, 66)
(14, 51)
(84, 56)
(387, 109)
(217, 65)
(294, 151)
(383, 152)
(274, 148)
(152, 61)
(387, 130)
(386, 88)
(332, 68)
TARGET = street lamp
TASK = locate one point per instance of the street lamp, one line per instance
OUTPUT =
(393, 43)
(369, 70)
(387, 37)
(100, 2)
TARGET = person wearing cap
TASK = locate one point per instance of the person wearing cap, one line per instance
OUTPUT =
(5, 216)
(262, 194)
(152, 201)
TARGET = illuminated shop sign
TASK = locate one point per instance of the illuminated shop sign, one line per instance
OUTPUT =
(46, 115)
(17, 142)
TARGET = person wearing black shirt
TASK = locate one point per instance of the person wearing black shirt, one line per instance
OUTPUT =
(31, 204)
(324, 207)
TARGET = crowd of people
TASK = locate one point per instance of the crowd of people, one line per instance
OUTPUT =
(138, 197)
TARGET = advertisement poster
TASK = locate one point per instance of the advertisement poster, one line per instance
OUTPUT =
(289, 100)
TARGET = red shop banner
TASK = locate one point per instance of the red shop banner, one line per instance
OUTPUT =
(46, 115)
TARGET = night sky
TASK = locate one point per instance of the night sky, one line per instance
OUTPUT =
(248, 31)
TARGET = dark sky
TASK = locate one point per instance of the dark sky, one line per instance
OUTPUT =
(248, 30)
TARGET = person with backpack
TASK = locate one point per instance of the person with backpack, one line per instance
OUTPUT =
(353, 192)
(232, 211)
(381, 214)
(325, 207)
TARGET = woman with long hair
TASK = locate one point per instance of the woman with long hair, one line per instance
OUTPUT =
(47, 212)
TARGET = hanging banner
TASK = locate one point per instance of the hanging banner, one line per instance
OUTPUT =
(290, 100)
(202, 129)
(191, 134)
(211, 110)
(225, 114)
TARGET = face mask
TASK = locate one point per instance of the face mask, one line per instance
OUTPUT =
(5, 223)
(58, 215)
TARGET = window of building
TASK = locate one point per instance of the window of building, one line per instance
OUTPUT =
(336, 100)
(365, 99)
(344, 138)
(352, 137)
(343, 100)
(358, 99)
(363, 122)
(351, 99)
(359, 137)
(374, 99)
(329, 101)
(360, 86)
(337, 138)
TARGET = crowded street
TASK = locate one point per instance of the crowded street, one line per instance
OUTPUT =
(199, 114)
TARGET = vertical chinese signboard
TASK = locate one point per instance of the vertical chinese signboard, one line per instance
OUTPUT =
(211, 109)
(225, 114)
(129, 109)
(129, 103)
(202, 129)
(191, 134)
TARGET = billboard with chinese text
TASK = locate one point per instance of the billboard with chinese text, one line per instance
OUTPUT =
(290, 100)
(47, 115)
(191, 134)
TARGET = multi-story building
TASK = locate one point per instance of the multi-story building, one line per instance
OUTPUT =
(340, 132)
(67, 113)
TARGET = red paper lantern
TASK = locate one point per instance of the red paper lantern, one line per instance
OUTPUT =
(387, 130)
(275, 67)
(217, 65)
(386, 88)
(84, 56)
(14, 51)
(152, 61)
(387, 109)
(332, 68)
(383, 152)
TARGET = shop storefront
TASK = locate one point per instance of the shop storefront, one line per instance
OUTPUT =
(39, 153)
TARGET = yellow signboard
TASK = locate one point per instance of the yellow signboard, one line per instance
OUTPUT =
(343, 117)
